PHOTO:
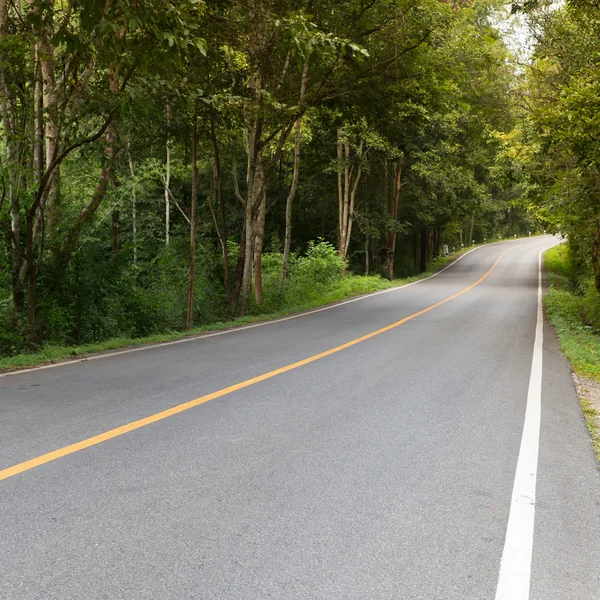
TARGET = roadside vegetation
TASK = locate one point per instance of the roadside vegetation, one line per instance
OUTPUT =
(169, 165)
(316, 279)
(573, 308)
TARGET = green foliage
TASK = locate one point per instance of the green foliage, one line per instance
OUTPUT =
(417, 87)
(343, 287)
(566, 309)
(320, 266)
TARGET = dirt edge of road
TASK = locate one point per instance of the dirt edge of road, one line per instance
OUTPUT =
(588, 391)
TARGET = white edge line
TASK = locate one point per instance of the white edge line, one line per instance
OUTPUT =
(514, 580)
(195, 338)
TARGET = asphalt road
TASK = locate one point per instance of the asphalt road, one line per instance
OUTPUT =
(383, 470)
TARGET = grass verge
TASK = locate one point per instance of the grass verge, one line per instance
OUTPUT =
(579, 342)
(347, 287)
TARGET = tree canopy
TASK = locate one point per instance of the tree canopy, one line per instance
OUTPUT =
(169, 163)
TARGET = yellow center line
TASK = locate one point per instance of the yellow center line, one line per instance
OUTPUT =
(123, 429)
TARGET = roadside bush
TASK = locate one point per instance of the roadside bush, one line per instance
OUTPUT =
(314, 274)
(10, 343)
(591, 305)
(575, 279)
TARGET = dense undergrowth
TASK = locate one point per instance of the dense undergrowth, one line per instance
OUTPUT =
(573, 307)
(133, 315)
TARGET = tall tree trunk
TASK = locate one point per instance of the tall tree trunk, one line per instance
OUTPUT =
(236, 289)
(258, 245)
(254, 183)
(340, 158)
(167, 199)
(51, 127)
(470, 241)
(18, 260)
(424, 249)
(133, 202)
(17, 263)
(248, 243)
(114, 231)
(221, 200)
(345, 200)
(353, 200)
(192, 265)
(290, 199)
(38, 147)
(367, 253)
(3, 15)
(415, 251)
(31, 265)
(393, 214)
(348, 180)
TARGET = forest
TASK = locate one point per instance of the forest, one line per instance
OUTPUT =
(167, 164)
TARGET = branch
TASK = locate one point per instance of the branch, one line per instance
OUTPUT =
(88, 140)
(236, 184)
(176, 203)
(215, 221)
(394, 58)
(3, 192)
(126, 79)
(284, 71)
(11, 233)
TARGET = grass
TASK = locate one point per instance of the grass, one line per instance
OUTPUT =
(580, 343)
(348, 287)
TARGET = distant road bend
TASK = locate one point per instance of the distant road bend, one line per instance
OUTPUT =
(421, 443)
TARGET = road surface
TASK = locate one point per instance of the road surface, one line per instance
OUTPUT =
(383, 467)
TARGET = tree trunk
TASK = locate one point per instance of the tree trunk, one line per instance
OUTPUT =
(51, 129)
(167, 199)
(353, 200)
(367, 253)
(3, 15)
(254, 182)
(348, 180)
(596, 257)
(470, 240)
(415, 252)
(258, 246)
(31, 281)
(236, 289)
(424, 249)
(192, 265)
(114, 231)
(133, 202)
(345, 200)
(248, 255)
(288, 206)
(38, 148)
(221, 201)
(340, 158)
(393, 214)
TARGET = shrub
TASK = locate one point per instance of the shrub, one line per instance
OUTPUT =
(311, 276)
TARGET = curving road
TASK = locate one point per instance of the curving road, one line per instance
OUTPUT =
(378, 449)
